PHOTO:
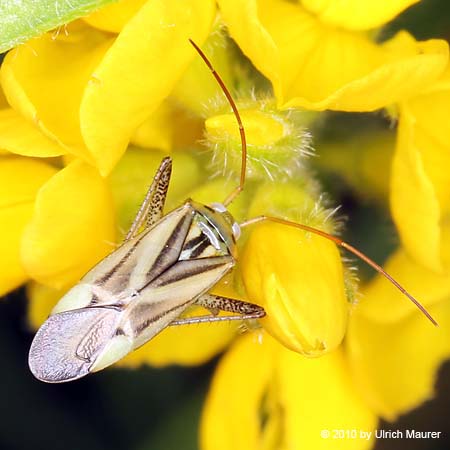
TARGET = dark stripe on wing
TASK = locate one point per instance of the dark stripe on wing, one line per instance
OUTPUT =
(142, 326)
(189, 268)
(172, 248)
(117, 266)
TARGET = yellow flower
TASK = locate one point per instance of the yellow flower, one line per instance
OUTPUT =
(124, 77)
(61, 67)
(19, 136)
(316, 56)
(384, 304)
(387, 366)
(420, 186)
(3, 102)
(21, 179)
(264, 396)
(142, 65)
(49, 86)
(89, 75)
(354, 14)
(393, 352)
(114, 16)
(395, 365)
(72, 226)
(197, 91)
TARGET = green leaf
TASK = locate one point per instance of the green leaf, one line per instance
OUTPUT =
(21, 20)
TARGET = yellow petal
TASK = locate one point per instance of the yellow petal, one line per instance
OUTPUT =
(197, 88)
(20, 179)
(356, 14)
(138, 73)
(72, 227)
(357, 159)
(247, 29)
(264, 397)
(156, 131)
(318, 394)
(41, 301)
(186, 129)
(18, 136)
(114, 16)
(398, 69)
(45, 79)
(299, 54)
(3, 102)
(184, 345)
(231, 414)
(420, 187)
(395, 366)
(382, 303)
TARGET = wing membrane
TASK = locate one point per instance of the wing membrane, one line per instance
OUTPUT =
(68, 343)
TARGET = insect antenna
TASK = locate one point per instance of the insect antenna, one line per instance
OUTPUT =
(307, 228)
(349, 248)
(232, 103)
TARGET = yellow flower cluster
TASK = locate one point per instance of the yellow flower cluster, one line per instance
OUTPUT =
(86, 114)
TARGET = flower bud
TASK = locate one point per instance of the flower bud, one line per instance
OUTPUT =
(276, 140)
(298, 277)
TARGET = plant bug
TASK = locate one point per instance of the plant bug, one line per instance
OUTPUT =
(165, 264)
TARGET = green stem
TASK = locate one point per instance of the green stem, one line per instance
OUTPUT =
(21, 20)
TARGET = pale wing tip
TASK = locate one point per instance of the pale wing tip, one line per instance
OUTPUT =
(55, 351)
(49, 360)
(44, 373)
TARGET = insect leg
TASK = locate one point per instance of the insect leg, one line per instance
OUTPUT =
(211, 319)
(153, 204)
(216, 303)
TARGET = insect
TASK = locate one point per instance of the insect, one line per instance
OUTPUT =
(165, 265)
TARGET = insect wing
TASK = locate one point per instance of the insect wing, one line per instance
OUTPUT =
(163, 300)
(129, 297)
(68, 343)
(142, 259)
(118, 279)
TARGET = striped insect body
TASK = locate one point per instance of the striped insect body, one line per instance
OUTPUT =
(137, 291)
